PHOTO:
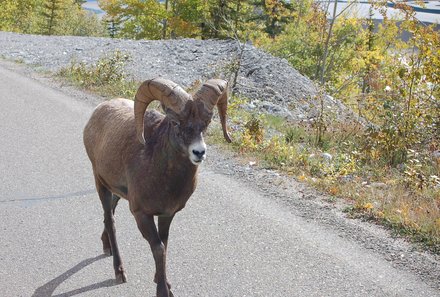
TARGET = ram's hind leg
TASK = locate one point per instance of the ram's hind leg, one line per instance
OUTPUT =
(109, 227)
(104, 237)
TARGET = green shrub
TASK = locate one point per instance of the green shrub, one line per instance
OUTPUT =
(107, 76)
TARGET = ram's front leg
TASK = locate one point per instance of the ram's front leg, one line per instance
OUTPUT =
(149, 231)
(163, 225)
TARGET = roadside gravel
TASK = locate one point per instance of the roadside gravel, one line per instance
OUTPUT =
(270, 83)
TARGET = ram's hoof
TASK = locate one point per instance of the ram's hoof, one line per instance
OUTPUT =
(121, 278)
(107, 252)
(170, 294)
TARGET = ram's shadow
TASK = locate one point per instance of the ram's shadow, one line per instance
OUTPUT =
(49, 288)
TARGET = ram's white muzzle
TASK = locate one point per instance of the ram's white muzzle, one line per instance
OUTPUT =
(197, 151)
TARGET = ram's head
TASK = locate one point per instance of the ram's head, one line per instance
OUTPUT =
(189, 116)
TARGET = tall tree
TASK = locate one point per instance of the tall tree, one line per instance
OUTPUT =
(19, 15)
(51, 12)
(185, 18)
(74, 20)
(277, 15)
(141, 19)
(224, 19)
(323, 63)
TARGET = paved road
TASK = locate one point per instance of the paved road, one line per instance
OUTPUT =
(229, 240)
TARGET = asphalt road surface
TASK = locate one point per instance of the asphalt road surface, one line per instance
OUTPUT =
(229, 241)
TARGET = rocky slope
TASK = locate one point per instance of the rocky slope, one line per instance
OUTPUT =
(271, 83)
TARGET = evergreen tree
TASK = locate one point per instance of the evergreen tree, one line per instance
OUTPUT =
(51, 11)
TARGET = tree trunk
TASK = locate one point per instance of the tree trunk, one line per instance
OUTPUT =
(326, 46)
(165, 22)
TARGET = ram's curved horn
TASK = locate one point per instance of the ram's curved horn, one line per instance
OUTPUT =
(215, 92)
(170, 94)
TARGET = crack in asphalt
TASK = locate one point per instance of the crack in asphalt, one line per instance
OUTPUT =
(54, 197)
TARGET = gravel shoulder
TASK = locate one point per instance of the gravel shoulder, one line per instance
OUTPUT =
(270, 83)
(296, 198)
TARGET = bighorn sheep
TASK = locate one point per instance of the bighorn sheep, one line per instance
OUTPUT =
(151, 159)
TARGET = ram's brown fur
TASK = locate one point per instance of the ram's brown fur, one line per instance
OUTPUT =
(153, 171)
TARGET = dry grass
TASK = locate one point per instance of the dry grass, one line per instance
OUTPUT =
(106, 77)
(406, 201)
